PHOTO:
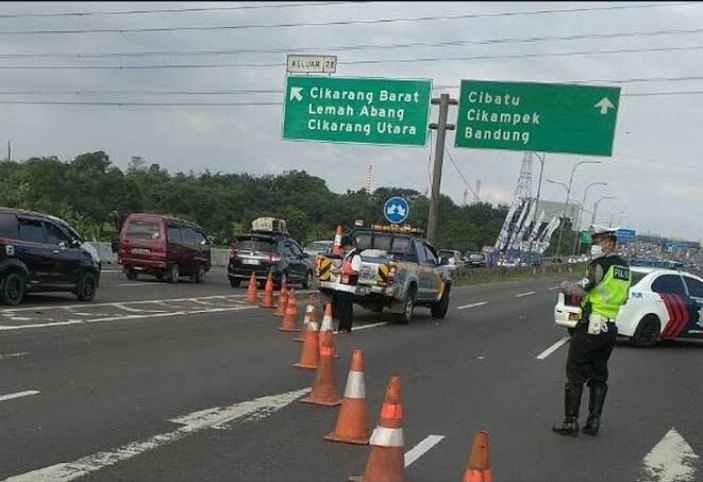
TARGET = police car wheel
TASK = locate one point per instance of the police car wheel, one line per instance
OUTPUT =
(647, 332)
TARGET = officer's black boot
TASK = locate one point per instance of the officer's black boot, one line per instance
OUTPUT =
(572, 403)
(596, 399)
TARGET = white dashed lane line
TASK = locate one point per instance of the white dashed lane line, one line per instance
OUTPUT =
(553, 348)
(525, 294)
(12, 396)
(472, 305)
(6, 356)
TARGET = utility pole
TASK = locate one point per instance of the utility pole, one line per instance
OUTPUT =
(442, 127)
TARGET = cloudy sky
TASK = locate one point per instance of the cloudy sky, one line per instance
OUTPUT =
(196, 85)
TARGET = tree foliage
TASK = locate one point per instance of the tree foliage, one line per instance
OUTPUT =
(93, 194)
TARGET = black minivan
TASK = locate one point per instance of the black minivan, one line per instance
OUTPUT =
(38, 253)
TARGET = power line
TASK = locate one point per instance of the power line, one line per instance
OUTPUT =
(345, 48)
(341, 22)
(79, 92)
(466, 183)
(168, 10)
(261, 103)
(355, 62)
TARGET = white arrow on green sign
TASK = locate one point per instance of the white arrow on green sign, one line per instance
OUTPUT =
(357, 110)
(529, 116)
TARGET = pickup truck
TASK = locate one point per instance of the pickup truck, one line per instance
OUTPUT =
(400, 270)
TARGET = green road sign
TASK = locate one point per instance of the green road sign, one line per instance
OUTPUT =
(585, 237)
(528, 116)
(356, 110)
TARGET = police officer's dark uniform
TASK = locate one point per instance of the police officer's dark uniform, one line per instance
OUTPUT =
(602, 293)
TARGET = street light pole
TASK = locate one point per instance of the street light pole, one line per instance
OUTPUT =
(566, 203)
(578, 222)
(595, 207)
(612, 216)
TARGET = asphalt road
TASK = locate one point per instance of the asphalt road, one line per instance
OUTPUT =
(123, 389)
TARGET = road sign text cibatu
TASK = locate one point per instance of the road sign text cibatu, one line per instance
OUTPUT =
(527, 116)
(357, 110)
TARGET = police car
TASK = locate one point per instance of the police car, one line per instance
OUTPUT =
(662, 304)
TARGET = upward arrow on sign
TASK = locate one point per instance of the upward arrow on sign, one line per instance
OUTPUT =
(604, 105)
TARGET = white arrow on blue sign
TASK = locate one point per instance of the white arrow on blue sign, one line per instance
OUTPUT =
(396, 210)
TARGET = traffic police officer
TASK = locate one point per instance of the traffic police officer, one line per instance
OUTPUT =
(348, 279)
(602, 292)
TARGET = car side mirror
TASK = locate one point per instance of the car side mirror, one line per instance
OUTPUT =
(75, 243)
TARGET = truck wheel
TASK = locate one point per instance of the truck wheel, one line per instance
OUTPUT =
(173, 274)
(407, 315)
(235, 282)
(130, 272)
(86, 289)
(439, 310)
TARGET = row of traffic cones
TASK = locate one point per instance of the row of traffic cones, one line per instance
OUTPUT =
(386, 460)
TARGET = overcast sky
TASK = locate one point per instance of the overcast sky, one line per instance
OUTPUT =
(646, 48)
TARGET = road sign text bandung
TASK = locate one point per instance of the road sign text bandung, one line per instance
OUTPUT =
(357, 110)
(528, 116)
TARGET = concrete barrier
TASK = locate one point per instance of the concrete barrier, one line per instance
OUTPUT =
(220, 257)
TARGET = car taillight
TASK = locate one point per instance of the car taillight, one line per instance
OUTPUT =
(274, 257)
(232, 254)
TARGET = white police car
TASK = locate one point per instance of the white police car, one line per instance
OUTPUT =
(662, 304)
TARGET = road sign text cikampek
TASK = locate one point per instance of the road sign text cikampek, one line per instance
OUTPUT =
(357, 110)
(523, 116)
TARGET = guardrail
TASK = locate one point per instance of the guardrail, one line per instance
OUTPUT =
(220, 257)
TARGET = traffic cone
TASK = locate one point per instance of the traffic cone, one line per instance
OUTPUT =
(251, 289)
(268, 293)
(282, 301)
(309, 316)
(387, 460)
(324, 388)
(328, 324)
(337, 246)
(289, 321)
(353, 419)
(310, 353)
(478, 468)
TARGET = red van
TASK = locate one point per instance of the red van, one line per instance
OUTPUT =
(163, 246)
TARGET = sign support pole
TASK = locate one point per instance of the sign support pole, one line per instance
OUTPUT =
(442, 127)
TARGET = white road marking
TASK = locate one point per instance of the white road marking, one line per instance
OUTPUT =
(126, 317)
(215, 417)
(525, 294)
(554, 288)
(12, 396)
(552, 348)
(472, 305)
(12, 355)
(127, 308)
(671, 460)
(422, 448)
(129, 284)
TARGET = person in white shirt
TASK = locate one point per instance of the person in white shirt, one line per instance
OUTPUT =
(346, 287)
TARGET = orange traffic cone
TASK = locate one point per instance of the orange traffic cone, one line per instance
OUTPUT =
(268, 293)
(324, 388)
(282, 301)
(328, 324)
(337, 246)
(309, 316)
(353, 420)
(310, 354)
(387, 460)
(251, 289)
(289, 321)
(478, 468)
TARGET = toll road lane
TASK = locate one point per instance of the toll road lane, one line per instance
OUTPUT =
(108, 385)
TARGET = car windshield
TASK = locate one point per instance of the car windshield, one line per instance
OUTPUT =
(254, 244)
(446, 253)
(143, 229)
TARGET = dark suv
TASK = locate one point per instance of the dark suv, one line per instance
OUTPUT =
(261, 252)
(38, 253)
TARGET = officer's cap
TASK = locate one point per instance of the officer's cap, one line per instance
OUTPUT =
(598, 231)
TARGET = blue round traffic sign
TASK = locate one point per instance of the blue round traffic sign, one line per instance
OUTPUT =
(396, 210)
